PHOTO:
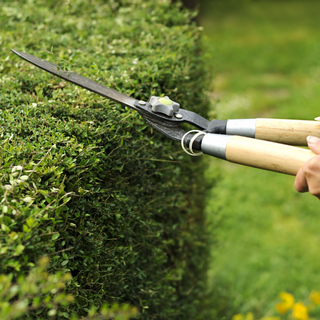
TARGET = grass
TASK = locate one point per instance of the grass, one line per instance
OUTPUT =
(266, 62)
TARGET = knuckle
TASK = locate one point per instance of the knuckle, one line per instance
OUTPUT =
(311, 169)
(313, 164)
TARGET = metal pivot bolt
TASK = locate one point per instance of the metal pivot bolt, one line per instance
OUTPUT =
(164, 105)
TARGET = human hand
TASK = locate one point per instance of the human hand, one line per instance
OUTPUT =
(308, 177)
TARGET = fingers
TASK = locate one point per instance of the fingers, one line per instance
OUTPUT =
(300, 183)
(308, 177)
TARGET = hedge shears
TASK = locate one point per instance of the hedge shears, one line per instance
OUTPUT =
(260, 143)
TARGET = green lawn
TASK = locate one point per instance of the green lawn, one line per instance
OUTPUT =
(266, 62)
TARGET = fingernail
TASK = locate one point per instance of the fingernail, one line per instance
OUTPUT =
(312, 139)
(317, 118)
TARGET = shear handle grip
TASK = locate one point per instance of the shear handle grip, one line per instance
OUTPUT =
(292, 132)
(256, 153)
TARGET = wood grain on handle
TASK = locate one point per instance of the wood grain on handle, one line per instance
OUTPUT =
(266, 155)
(287, 131)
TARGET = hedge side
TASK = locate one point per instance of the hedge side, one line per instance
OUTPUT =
(86, 181)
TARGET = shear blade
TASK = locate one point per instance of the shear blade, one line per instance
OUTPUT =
(78, 80)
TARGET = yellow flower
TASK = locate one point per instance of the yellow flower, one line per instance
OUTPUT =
(286, 303)
(300, 311)
(281, 308)
(249, 316)
(315, 297)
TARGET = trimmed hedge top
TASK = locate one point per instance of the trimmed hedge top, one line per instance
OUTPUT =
(86, 181)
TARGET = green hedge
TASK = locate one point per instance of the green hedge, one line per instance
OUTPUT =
(86, 181)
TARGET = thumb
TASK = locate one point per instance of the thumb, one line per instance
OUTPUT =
(314, 144)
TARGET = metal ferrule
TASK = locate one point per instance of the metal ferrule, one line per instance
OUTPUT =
(242, 127)
(215, 145)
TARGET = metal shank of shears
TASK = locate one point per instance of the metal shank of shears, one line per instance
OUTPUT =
(170, 126)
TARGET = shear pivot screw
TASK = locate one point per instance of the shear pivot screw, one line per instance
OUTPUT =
(143, 103)
(178, 115)
(164, 105)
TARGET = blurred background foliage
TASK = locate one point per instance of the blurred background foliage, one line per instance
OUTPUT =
(265, 56)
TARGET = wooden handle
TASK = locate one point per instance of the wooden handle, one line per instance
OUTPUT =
(292, 132)
(266, 155)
